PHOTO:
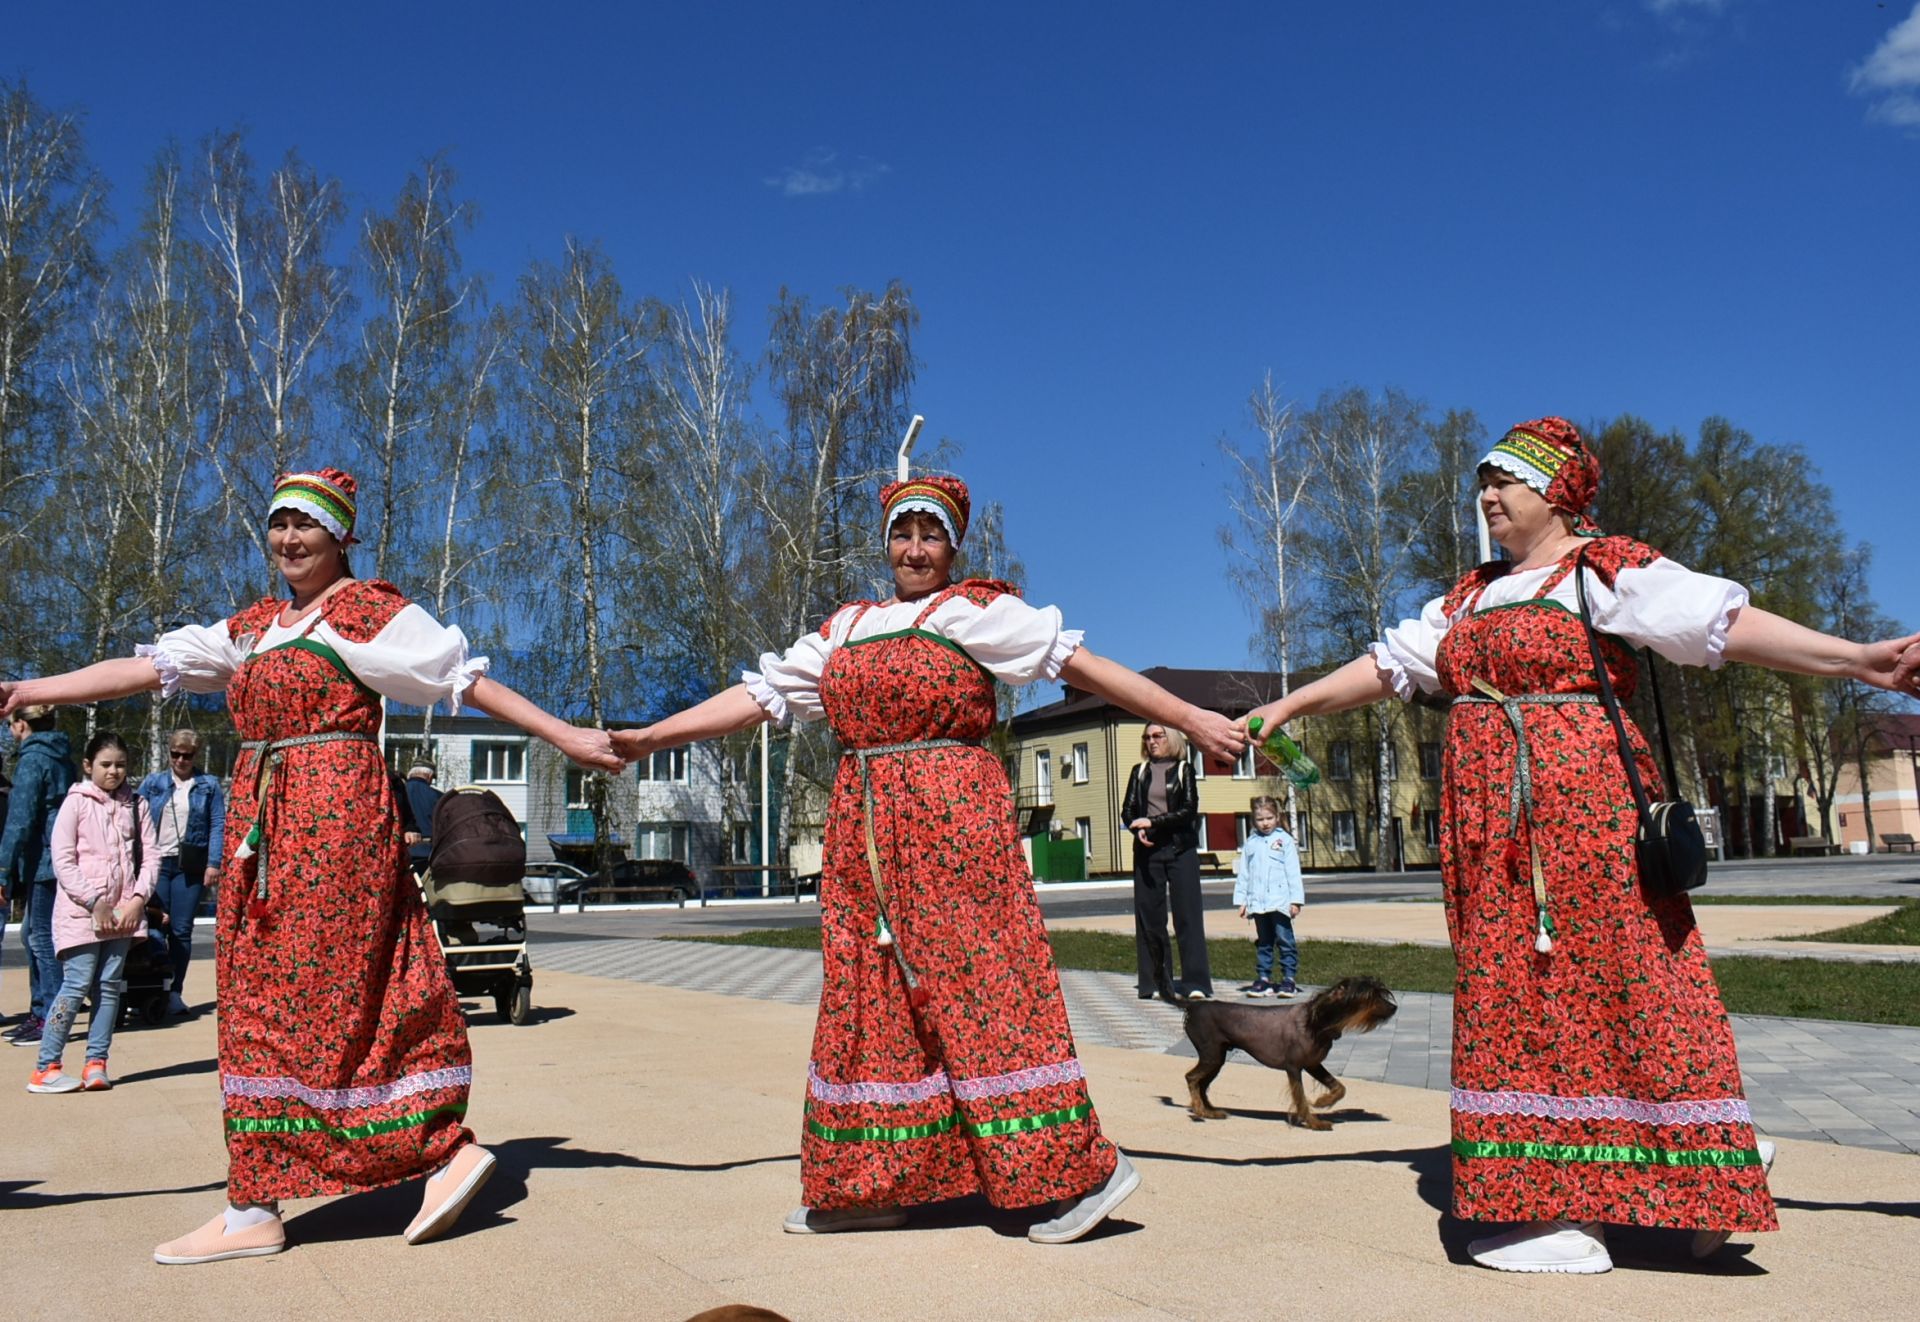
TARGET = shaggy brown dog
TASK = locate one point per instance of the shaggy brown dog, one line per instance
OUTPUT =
(1293, 1038)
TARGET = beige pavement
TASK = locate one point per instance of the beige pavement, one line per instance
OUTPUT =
(1732, 929)
(648, 1140)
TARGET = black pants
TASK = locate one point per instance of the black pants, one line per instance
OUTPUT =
(1166, 878)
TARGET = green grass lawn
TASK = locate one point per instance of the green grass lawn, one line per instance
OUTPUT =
(1750, 984)
(1899, 928)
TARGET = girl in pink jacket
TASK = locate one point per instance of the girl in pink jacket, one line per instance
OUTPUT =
(105, 858)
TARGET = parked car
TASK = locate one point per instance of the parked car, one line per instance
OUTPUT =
(654, 879)
(552, 883)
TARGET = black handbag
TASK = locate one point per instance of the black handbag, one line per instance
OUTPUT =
(1670, 846)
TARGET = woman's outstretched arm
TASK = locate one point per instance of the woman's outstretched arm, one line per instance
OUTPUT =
(1134, 692)
(589, 748)
(726, 712)
(1762, 638)
(100, 682)
(1355, 684)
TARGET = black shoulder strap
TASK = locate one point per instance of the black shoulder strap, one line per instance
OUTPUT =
(1606, 689)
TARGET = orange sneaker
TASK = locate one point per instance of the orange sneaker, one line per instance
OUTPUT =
(94, 1077)
(52, 1079)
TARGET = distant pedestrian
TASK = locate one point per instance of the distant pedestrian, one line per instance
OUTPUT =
(422, 798)
(105, 859)
(40, 780)
(189, 815)
(1266, 886)
(1162, 809)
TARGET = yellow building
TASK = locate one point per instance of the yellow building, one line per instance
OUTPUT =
(1070, 759)
(1893, 774)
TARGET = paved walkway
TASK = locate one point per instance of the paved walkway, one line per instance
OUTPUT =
(1853, 1084)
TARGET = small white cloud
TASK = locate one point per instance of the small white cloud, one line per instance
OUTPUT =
(1681, 8)
(1891, 75)
(823, 172)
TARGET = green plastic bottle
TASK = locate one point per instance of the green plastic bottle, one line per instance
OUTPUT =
(1295, 765)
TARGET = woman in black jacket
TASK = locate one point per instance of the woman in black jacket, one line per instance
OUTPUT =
(1162, 809)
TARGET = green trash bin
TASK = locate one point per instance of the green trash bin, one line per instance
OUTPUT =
(1059, 860)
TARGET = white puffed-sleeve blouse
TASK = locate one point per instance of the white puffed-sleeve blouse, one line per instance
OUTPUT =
(1682, 615)
(415, 659)
(1015, 642)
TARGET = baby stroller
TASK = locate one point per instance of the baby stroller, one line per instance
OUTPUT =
(148, 973)
(473, 880)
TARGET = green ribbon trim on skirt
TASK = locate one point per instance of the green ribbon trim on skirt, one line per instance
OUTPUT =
(1629, 1152)
(984, 1129)
(306, 1124)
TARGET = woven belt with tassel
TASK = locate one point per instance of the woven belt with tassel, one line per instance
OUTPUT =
(272, 753)
(883, 927)
(1521, 803)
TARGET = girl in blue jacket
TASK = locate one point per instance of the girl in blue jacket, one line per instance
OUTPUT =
(1266, 886)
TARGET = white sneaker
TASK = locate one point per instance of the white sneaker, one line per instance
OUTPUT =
(1706, 1243)
(812, 1221)
(1074, 1217)
(1546, 1246)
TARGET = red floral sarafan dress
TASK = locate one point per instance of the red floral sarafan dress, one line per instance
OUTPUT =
(1597, 1081)
(976, 1088)
(344, 1062)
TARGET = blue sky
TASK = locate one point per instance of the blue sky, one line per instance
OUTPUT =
(1116, 217)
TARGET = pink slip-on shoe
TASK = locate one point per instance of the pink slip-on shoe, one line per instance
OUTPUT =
(213, 1242)
(449, 1190)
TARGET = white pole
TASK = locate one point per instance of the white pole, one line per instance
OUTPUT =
(906, 445)
(766, 875)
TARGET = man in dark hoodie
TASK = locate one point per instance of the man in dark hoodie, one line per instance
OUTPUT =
(41, 777)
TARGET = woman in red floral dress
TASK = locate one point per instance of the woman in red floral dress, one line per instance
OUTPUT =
(343, 1055)
(1594, 1074)
(942, 1062)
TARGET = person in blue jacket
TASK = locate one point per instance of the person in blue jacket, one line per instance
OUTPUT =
(1266, 886)
(40, 780)
(190, 814)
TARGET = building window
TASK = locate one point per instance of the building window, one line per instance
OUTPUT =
(1243, 765)
(743, 842)
(1393, 761)
(1346, 836)
(401, 753)
(1080, 774)
(1429, 761)
(577, 789)
(1083, 827)
(1340, 760)
(669, 764)
(1242, 826)
(1043, 775)
(1199, 761)
(1430, 827)
(1299, 829)
(661, 840)
(499, 763)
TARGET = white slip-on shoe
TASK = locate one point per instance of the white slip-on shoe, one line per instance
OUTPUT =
(1074, 1217)
(1706, 1243)
(1546, 1246)
(809, 1221)
(449, 1191)
(213, 1242)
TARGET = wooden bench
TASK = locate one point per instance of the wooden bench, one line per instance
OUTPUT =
(1811, 844)
(1898, 840)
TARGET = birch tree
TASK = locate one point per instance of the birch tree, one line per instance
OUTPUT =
(51, 205)
(1369, 514)
(841, 375)
(277, 298)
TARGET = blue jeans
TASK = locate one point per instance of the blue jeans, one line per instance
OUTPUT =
(1270, 929)
(178, 892)
(104, 962)
(42, 967)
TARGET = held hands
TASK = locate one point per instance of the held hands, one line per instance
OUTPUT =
(1893, 664)
(1269, 715)
(1141, 828)
(591, 748)
(111, 920)
(635, 744)
(1216, 735)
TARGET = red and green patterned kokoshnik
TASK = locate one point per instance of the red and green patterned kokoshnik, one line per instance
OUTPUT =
(326, 495)
(1548, 455)
(943, 497)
